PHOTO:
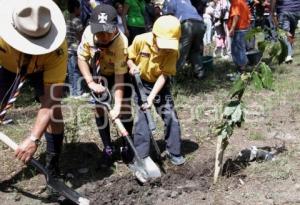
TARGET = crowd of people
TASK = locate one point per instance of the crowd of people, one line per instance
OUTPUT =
(155, 38)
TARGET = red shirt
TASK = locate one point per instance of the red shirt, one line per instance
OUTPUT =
(241, 9)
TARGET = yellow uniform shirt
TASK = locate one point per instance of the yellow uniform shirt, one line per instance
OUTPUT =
(53, 65)
(112, 59)
(152, 63)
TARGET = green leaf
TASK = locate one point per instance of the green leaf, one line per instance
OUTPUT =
(237, 88)
(284, 51)
(230, 108)
(252, 32)
(266, 76)
(237, 114)
(257, 81)
(262, 45)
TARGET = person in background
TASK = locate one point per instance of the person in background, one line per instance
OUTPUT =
(208, 20)
(253, 10)
(74, 32)
(238, 24)
(192, 32)
(86, 9)
(133, 18)
(288, 12)
(119, 8)
(222, 38)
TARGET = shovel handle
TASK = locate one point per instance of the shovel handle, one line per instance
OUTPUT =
(143, 98)
(9, 142)
(121, 127)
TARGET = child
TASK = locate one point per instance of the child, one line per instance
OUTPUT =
(155, 55)
(238, 24)
(103, 36)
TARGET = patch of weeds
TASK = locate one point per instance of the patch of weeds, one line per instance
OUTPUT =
(278, 169)
(256, 136)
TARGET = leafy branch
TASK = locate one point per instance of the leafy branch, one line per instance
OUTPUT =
(260, 77)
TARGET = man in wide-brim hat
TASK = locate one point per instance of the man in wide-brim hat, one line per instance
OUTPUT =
(32, 44)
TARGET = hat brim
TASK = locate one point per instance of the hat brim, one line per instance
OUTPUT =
(164, 43)
(34, 46)
(97, 27)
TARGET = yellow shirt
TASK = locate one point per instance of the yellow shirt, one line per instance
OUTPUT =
(152, 63)
(112, 59)
(53, 65)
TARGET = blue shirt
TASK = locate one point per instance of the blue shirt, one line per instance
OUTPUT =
(182, 9)
(288, 5)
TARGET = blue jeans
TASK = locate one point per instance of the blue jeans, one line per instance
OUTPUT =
(165, 107)
(288, 21)
(238, 48)
(74, 76)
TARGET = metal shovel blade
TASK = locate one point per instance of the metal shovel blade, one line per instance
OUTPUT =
(145, 169)
(151, 168)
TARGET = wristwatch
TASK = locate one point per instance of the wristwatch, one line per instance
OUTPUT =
(34, 139)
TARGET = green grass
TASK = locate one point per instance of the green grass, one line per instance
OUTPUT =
(256, 136)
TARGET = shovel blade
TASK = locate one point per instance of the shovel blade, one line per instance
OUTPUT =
(151, 168)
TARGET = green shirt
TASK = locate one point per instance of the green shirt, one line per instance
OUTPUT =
(135, 15)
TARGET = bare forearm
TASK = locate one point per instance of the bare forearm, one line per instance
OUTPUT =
(159, 84)
(85, 71)
(41, 123)
(234, 22)
(119, 90)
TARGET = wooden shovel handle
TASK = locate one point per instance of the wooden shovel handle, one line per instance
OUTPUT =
(9, 142)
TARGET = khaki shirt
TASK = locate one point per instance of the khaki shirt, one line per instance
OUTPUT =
(112, 59)
(53, 65)
(152, 63)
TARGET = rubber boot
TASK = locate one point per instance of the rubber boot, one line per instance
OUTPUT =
(52, 164)
(125, 150)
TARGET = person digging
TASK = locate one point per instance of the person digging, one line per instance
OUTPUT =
(32, 45)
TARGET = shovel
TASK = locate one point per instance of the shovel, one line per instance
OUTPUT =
(145, 168)
(57, 185)
(149, 118)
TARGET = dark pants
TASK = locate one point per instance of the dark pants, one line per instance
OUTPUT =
(126, 118)
(164, 106)
(191, 44)
(74, 76)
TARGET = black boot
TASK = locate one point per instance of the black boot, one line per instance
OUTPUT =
(125, 150)
(52, 164)
(54, 145)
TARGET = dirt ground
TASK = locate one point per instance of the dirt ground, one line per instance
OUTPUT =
(272, 120)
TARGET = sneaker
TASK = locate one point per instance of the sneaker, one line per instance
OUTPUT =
(175, 159)
(288, 59)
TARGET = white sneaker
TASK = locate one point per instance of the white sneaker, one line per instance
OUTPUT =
(289, 59)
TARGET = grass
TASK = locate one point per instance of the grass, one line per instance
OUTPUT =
(256, 136)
